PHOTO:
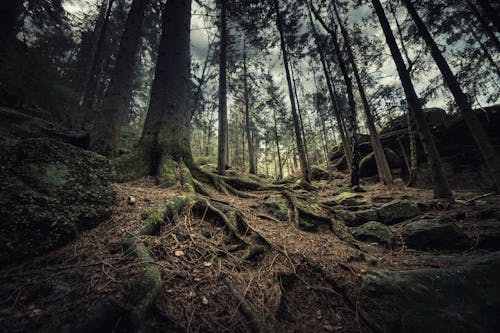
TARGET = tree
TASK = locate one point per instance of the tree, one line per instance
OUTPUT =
(306, 175)
(248, 125)
(165, 142)
(89, 84)
(441, 187)
(106, 131)
(380, 158)
(482, 140)
(352, 122)
(223, 125)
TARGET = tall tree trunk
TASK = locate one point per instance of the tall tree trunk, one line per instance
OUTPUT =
(301, 120)
(306, 175)
(166, 135)
(441, 187)
(248, 123)
(380, 158)
(350, 96)
(89, 84)
(490, 12)
(483, 142)
(105, 135)
(277, 141)
(223, 127)
(331, 92)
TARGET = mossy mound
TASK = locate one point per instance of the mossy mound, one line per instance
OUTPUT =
(388, 214)
(318, 173)
(374, 232)
(278, 206)
(50, 191)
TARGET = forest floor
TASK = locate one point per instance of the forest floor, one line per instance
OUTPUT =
(303, 281)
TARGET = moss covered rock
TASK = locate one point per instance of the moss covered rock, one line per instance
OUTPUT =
(318, 173)
(278, 206)
(349, 199)
(50, 191)
(368, 165)
(457, 299)
(373, 232)
(397, 211)
(357, 218)
(432, 233)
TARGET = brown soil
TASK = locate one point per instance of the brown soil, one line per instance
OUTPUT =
(305, 282)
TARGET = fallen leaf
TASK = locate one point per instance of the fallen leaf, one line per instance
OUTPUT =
(207, 264)
(179, 253)
(204, 300)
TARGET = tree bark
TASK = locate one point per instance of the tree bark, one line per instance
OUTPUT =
(89, 84)
(378, 149)
(248, 123)
(10, 13)
(166, 134)
(277, 141)
(223, 126)
(483, 142)
(441, 187)
(350, 96)
(105, 135)
(306, 175)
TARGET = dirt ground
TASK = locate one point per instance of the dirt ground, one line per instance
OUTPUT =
(303, 282)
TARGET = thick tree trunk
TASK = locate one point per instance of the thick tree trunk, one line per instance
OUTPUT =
(483, 142)
(301, 120)
(248, 123)
(306, 175)
(166, 135)
(105, 135)
(223, 127)
(352, 123)
(490, 12)
(380, 158)
(441, 187)
(89, 84)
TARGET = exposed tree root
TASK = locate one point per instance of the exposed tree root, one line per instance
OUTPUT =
(245, 308)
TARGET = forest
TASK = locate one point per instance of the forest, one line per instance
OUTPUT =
(249, 166)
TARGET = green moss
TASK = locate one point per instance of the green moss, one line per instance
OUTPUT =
(186, 178)
(166, 175)
(175, 206)
(189, 188)
(278, 206)
(154, 217)
(57, 174)
(307, 225)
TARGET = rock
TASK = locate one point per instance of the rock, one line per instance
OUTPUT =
(278, 206)
(397, 211)
(368, 165)
(389, 213)
(318, 173)
(434, 116)
(354, 219)
(50, 191)
(373, 232)
(341, 164)
(348, 199)
(457, 299)
(488, 233)
(432, 233)
(304, 185)
(131, 201)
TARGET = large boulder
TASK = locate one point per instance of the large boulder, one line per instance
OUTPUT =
(389, 213)
(433, 233)
(50, 191)
(458, 299)
(368, 165)
(373, 232)
(434, 117)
